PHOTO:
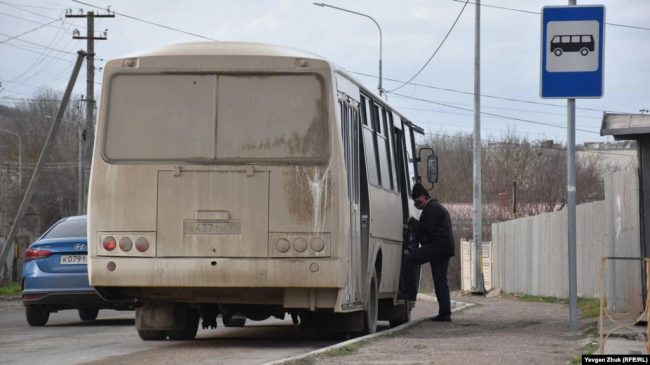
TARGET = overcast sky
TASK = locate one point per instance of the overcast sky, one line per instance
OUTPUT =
(412, 30)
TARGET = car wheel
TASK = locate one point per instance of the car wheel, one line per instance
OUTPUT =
(191, 326)
(36, 315)
(88, 314)
(152, 335)
(557, 52)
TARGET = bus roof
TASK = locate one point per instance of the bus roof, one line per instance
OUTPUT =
(225, 49)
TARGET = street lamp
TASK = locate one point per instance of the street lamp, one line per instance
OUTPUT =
(380, 88)
(20, 159)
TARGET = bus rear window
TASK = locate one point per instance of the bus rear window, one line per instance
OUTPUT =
(262, 117)
(222, 117)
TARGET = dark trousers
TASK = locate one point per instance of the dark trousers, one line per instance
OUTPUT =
(439, 266)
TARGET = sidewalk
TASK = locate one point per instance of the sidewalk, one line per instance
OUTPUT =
(494, 331)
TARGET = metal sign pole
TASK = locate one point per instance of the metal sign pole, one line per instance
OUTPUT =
(571, 209)
(571, 213)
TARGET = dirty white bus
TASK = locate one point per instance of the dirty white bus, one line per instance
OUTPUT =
(247, 181)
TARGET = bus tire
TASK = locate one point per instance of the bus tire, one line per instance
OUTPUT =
(584, 51)
(36, 315)
(557, 52)
(190, 327)
(403, 314)
(88, 314)
(371, 313)
(152, 335)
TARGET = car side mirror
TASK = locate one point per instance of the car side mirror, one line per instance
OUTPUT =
(432, 169)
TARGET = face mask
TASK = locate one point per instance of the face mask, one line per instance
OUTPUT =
(419, 205)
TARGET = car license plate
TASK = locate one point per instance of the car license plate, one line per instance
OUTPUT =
(74, 259)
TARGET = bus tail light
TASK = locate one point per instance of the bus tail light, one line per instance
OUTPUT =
(126, 244)
(142, 244)
(35, 254)
(299, 244)
(108, 243)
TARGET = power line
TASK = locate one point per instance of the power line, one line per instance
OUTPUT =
(147, 21)
(538, 13)
(44, 47)
(27, 11)
(29, 31)
(482, 95)
(523, 145)
(491, 114)
(34, 6)
(437, 49)
(33, 51)
(517, 110)
(23, 19)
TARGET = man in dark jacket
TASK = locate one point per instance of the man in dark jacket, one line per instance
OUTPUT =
(436, 240)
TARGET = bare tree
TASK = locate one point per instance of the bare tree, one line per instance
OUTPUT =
(56, 193)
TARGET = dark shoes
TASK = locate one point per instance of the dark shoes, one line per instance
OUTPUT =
(441, 319)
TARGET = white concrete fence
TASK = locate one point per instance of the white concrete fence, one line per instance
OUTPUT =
(468, 261)
(530, 255)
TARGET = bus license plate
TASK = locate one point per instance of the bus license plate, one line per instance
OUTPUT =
(74, 259)
(195, 227)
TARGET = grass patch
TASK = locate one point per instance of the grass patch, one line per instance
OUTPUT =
(587, 350)
(10, 290)
(587, 307)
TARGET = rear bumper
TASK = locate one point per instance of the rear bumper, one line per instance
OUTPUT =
(217, 272)
(57, 282)
(66, 300)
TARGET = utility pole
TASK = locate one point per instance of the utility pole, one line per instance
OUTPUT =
(478, 286)
(89, 131)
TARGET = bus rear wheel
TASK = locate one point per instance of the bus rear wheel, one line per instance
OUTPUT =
(584, 51)
(190, 327)
(152, 335)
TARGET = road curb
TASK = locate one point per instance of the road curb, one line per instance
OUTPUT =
(455, 307)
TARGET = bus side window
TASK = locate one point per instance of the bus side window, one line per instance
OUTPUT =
(410, 155)
(383, 149)
(367, 116)
(393, 152)
(364, 110)
(375, 124)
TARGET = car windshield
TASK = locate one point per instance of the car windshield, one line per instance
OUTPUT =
(72, 228)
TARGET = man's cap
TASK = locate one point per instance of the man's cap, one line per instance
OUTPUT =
(418, 190)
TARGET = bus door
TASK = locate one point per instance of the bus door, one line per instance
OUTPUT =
(351, 139)
(402, 173)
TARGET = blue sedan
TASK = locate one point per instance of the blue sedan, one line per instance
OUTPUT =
(55, 275)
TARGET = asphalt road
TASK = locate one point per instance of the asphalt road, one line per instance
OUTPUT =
(112, 339)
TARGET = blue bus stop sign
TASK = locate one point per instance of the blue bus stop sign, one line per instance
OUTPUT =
(572, 51)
